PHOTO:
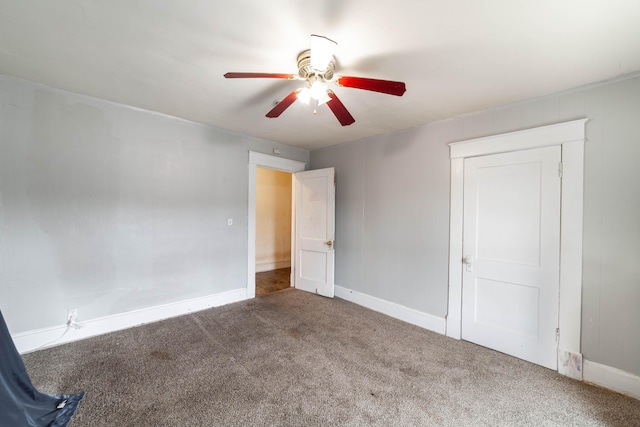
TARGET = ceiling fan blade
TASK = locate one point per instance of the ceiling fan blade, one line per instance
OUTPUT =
(339, 110)
(258, 75)
(283, 105)
(383, 86)
(321, 51)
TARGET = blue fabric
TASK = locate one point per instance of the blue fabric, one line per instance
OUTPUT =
(20, 403)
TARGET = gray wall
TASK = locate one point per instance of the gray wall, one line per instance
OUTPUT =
(392, 201)
(392, 217)
(108, 209)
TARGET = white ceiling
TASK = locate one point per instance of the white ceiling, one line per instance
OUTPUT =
(456, 56)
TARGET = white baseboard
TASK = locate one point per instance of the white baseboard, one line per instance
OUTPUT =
(406, 314)
(49, 337)
(612, 378)
(270, 266)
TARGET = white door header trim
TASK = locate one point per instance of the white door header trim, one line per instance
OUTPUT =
(277, 163)
(543, 136)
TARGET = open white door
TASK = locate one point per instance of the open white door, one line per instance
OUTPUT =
(314, 231)
(512, 253)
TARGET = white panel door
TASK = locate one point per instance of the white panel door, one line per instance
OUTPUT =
(314, 230)
(511, 247)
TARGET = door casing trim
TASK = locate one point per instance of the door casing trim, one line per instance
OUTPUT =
(571, 137)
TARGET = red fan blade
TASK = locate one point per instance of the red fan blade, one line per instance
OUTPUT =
(383, 86)
(339, 110)
(258, 75)
(283, 105)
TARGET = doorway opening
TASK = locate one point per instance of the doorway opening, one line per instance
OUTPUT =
(273, 230)
(262, 160)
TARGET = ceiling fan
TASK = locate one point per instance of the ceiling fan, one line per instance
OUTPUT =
(316, 66)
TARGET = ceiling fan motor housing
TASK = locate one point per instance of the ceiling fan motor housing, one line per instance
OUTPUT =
(306, 71)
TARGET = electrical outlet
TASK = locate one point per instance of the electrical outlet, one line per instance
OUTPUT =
(72, 316)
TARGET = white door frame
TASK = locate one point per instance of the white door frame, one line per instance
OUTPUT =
(571, 137)
(270, 162)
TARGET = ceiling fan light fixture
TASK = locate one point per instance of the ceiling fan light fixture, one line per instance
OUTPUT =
(316, 91)
(324, 99)
(322, 50)
(304, 95)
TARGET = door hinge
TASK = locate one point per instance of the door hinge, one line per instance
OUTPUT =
(557, 334)
(560, 169)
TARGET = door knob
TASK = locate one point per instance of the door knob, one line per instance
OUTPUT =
(468, 260)
(329, 243)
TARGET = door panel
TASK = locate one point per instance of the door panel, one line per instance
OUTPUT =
(502, 241)
(507, 306)
(313, 215)
(511, 246)
(315, 227)
(313, 265)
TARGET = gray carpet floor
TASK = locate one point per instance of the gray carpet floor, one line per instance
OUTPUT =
(295, 359)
